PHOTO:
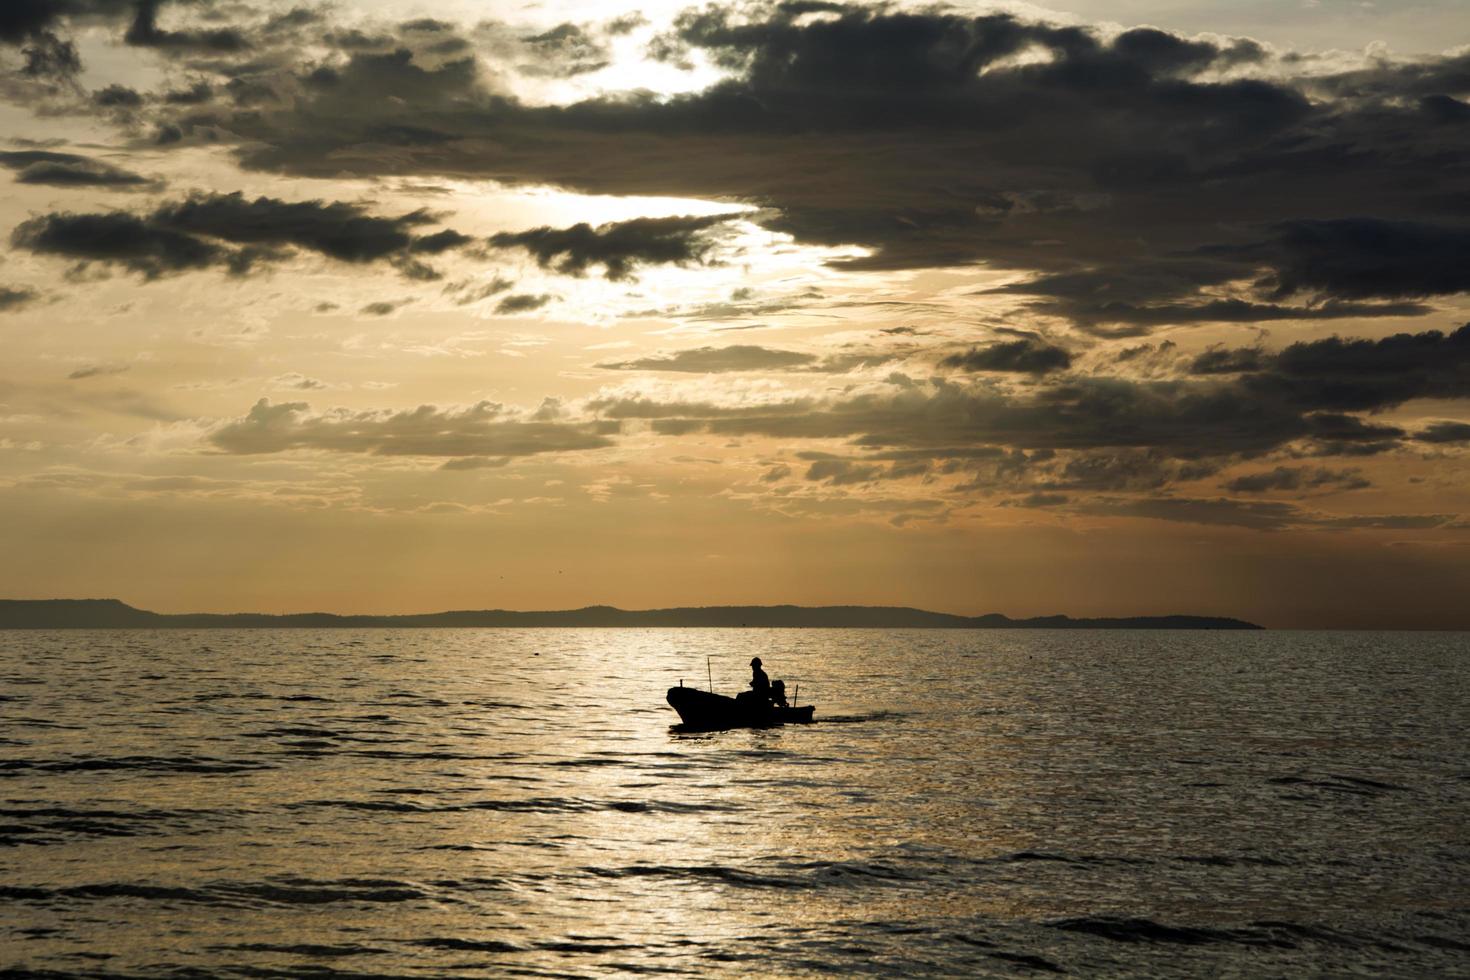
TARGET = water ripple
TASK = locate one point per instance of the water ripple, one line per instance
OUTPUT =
(350, 804)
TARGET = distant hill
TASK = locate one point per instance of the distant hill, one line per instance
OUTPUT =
(114, 614)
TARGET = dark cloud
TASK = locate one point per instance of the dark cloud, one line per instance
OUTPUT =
(1348, 435)
(1143, 474)
(619, 247)
(96, 370)
(481, 430)
(34, 26)
(1253, 514)
(1122, 470)
(336, 229)
(1185, 420)
(354, 39)
(676, 427)
(625, 23)
(713, 360)
(439, 241)
(1297, 478)
(70, 170)
(1222, 360)
(1029, 355)
(521, 303)
(26, 19)
(1132, 300)
(564, 51)
(49, 57)
(1336, 375)
(1148, 360)
(230, 230)
(199, 33)
(426, 25)
(1349, 428)
(412, 268)
(12, 298)
(116, 96)
(843, 472)
(118, 239)
(1146, 352)
(840, 471)
(868, 65)
(1441, 432)
(1039, 500)
(466, 292)
(144, 32)
(292, 20)
(1143, 318)
(197, 94)
(1343, 375)
(1360, 258)
(199, 29)
(923, 136)
(1303, 396)
(1444, 109)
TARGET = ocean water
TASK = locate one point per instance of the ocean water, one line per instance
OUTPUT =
(514, 803)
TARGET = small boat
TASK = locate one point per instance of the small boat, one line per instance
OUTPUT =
(708, 712)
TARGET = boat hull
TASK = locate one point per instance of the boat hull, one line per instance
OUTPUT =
(714, 712)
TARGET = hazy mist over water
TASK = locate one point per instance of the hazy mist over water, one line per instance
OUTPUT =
(513, 802)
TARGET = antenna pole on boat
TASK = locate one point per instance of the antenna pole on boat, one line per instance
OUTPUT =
(710, 671)
(795, 695)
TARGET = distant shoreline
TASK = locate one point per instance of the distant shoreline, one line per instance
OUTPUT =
(115, 614)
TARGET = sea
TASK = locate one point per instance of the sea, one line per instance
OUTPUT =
(487, 803)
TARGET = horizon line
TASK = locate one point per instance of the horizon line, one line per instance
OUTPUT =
(111, 612)
(1002, 620)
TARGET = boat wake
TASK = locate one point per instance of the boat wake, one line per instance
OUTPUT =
(693, 730)
(859, 719)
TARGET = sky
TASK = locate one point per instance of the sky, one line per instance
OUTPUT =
(1109, 308)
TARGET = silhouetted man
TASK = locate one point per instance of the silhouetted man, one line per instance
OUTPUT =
(759, 682)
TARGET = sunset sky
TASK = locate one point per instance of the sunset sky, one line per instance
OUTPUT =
(1110, 308)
